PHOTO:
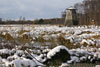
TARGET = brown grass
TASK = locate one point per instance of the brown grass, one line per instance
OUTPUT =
(96, 37)
(22, 31)
(8, 37)
(67, 43)
(24, 38)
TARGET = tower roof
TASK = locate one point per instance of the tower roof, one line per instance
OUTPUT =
(71, 8)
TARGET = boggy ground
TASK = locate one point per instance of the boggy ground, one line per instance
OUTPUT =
(82, 41)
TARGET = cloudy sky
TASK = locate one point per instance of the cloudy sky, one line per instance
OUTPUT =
(34, 9)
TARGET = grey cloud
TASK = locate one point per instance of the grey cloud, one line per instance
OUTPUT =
(32, 9)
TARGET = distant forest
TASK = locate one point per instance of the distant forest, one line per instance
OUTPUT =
(88, 12)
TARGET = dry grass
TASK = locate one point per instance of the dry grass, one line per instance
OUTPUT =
(24, 38)
(96, 37)
(53, 42)
(8, 37)
(22, 31)
(67, 43)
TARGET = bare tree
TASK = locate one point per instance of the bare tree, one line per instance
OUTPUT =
(89, 10)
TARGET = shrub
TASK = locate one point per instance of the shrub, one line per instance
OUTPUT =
(40, 21)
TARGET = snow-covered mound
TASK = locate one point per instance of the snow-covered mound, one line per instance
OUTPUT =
(58, 53)
(56, 50)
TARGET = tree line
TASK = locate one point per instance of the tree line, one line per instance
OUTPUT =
(88, 12)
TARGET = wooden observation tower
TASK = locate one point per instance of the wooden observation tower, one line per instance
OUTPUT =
(71, 17)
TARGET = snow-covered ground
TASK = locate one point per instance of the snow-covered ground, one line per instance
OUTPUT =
(81, 42)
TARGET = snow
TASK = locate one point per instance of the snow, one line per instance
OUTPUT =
(64, 65)
(97, 66)
(41, 58)
(74, 59)
(5, 51)
(83, 58)
(46, 50)
(89, 42)
(77, 35)
(55, 50)
(24, 62)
